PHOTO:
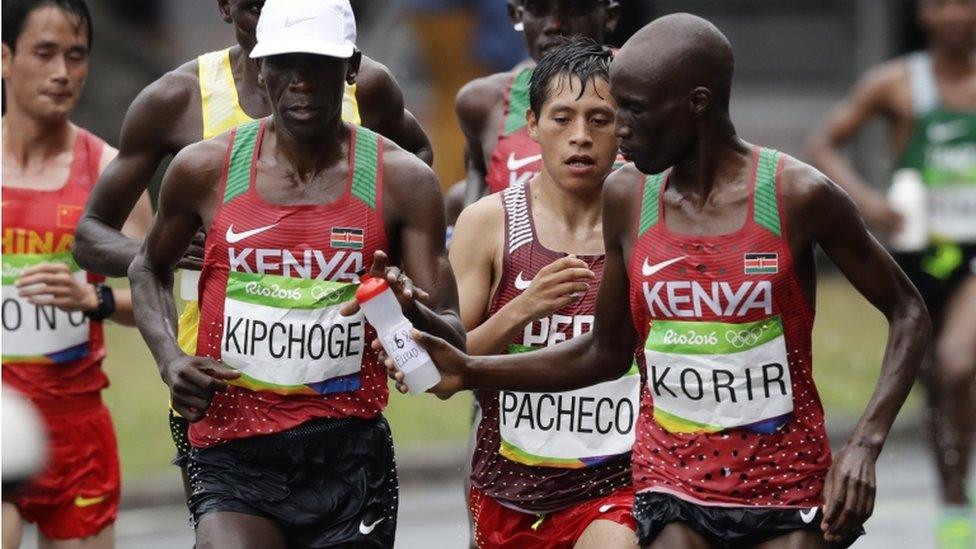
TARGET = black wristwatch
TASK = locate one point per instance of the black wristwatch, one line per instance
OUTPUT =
(106, 303)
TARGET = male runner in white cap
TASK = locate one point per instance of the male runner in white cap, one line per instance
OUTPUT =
(284, 395)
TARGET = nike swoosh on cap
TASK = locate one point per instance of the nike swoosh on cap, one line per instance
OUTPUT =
(648, 270)
(292, 22)
(519, 163)
(522, 284)
(233, 237)
(366, 530)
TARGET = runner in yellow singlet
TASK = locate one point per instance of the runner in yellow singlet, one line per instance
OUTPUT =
(198, 100)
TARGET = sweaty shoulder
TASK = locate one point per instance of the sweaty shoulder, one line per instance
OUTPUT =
(809, 197)
(162, 108)
(484, 218)
(405, 174)
(479, 98)
(203, 161)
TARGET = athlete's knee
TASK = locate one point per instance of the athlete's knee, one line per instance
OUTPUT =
(606, 533)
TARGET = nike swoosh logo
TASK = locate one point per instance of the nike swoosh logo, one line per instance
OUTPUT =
(292, 22)
(522, 284)
(808, 515)
(648, 270)
(519, 163)
(607, 507)
(88, 502)
(366, 530)
(233, 237)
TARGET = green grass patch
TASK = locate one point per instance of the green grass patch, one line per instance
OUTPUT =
(848, 346)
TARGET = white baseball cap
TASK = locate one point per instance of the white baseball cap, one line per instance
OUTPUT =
(321, 27)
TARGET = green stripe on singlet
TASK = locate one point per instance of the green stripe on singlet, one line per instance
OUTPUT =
(765, 209)
(365, 166)
(649, 202)
(518, 102)
(241, 160)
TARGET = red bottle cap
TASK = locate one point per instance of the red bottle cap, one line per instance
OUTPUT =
(370, 287)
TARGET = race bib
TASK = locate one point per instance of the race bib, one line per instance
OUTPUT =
(708, 377)
(571, 429)
(952, 212)
(40, 334)
(286, 334)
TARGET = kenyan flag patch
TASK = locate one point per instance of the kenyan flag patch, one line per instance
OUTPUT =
(761, 263)
(347, 237)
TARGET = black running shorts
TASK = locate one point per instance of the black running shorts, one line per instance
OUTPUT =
(937, 273)
(724, 527)
(179, 429)
(325, 483)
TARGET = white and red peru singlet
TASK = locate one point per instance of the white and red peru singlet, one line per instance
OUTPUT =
(541, 452)
(517, 158)
(50, 354)
(729, 412)
(273, 281)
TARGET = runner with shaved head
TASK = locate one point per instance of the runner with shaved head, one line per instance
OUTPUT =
(710, 246)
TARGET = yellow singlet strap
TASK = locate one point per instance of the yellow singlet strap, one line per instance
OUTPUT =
(218, 94)
(350, 106)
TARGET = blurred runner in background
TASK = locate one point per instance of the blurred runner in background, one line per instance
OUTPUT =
(928, 99)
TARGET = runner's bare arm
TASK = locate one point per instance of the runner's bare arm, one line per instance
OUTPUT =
(478, 240)
(382, 110)
(187, 195)
(825, 215)
(100, 246)
(413, 211)
(870, 98)
(137, 225)
(474, 105)
(478, 237)
(604, 353)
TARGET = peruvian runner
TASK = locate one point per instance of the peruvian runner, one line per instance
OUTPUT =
(549, 469)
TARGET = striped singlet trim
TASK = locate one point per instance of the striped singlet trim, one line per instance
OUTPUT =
(364, 166)
(518, 102)
(765, 208)
(241, 160)
(519, 225)
(649, 203)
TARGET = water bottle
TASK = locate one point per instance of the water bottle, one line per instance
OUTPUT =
(189, 282)
(383, 311)
(907, 197)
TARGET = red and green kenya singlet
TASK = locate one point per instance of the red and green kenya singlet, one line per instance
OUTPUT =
(729, 412)
(516, 158)
(49, 354)
(541, 452)
(274, 278)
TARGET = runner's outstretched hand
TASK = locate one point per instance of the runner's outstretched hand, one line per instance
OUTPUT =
(404, 289)
(451, 363)
(556, 285)
(192, 382)
(848, 493)
(193, 257)
(54, 284)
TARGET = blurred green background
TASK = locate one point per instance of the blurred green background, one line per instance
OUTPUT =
(848, 345)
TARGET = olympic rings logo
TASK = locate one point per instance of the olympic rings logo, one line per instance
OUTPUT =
(327, 295)
(743, 338)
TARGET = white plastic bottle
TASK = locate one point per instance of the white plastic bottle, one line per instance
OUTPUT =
(383, 311)
(907, 197)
